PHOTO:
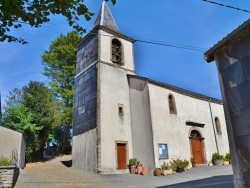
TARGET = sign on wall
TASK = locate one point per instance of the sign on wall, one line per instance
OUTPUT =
(163, 151)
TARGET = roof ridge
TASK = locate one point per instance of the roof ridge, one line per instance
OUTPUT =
(178, 89)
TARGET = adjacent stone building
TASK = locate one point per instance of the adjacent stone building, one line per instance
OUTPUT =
(232, 56)
(119, 115)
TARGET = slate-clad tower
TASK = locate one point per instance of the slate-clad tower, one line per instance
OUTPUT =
(102, 140)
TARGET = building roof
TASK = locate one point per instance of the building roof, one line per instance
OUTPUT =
(178, 90)
(105, 18)
(106, 22)
(209, 55)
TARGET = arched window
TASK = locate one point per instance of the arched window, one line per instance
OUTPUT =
(171, 103)
(217, 125)
(116, 51)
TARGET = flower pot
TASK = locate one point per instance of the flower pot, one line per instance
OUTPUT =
(139, 170)
(158, 171)
(144, 170)
(179, 170)
(132, 169)
(8, 176)
(225, 162)
(217, 162)
(167, 172)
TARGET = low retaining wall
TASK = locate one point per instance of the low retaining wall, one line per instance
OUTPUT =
(8, 176)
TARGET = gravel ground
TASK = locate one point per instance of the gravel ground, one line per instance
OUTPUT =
(58, 172)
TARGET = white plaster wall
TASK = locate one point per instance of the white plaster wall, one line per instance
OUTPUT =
(12, 140)
(172, 129)
(114, 90)
(105, 52)
(223, 144)
(84, 150)
(143, 148)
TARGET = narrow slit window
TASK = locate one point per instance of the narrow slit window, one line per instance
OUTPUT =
(172, 105)
(120, 109)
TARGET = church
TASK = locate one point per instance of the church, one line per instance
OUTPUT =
(119, 115)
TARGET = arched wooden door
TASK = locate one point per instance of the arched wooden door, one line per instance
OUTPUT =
(196, 145)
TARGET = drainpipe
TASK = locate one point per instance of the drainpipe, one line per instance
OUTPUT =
(216, 142)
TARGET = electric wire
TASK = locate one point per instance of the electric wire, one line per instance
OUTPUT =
(161, 43)
(148, 41)
(154, 42)
(228, 6)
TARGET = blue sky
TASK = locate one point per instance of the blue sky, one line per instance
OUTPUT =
(193, 23)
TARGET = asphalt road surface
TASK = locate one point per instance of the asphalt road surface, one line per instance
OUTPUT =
(58, 173)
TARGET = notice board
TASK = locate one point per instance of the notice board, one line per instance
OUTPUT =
(163, 151)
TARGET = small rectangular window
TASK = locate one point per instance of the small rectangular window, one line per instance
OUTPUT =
(163, 151)
(120, 109)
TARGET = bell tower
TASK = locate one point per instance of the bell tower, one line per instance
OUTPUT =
(101, 119)
(114, 47)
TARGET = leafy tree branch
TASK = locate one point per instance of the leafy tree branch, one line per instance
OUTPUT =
(15, 13)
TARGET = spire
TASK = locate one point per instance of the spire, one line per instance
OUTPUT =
(105, 18)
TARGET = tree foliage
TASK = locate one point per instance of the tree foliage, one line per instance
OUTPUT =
(39, 99)
(59, 66)
(15, 13)
(32, 111)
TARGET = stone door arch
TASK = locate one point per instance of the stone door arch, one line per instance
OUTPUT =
(197, 146)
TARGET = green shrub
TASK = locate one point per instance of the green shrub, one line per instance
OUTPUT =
(228, 157)
(5, 161)
(173, 166)
(192, 160)
(179, 163)
(217, 156)
(165, 166)
(133, 161)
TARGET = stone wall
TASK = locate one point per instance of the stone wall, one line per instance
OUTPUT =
(8, 176)
(233, 64)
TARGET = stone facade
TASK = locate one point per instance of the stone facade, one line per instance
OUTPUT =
(8, 176)
(233, 64)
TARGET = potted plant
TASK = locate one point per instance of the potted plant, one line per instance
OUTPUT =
(139, 169)
(144, 170)
(217, 159)
(166, 170)
(179, 165)
(226, 159)
(8, 172)
(132, 164)
(193, 162)
(158, 171)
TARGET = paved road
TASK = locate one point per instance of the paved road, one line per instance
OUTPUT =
(59, 173)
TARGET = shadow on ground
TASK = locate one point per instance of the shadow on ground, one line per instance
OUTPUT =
(67, 163)
(213, 182)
